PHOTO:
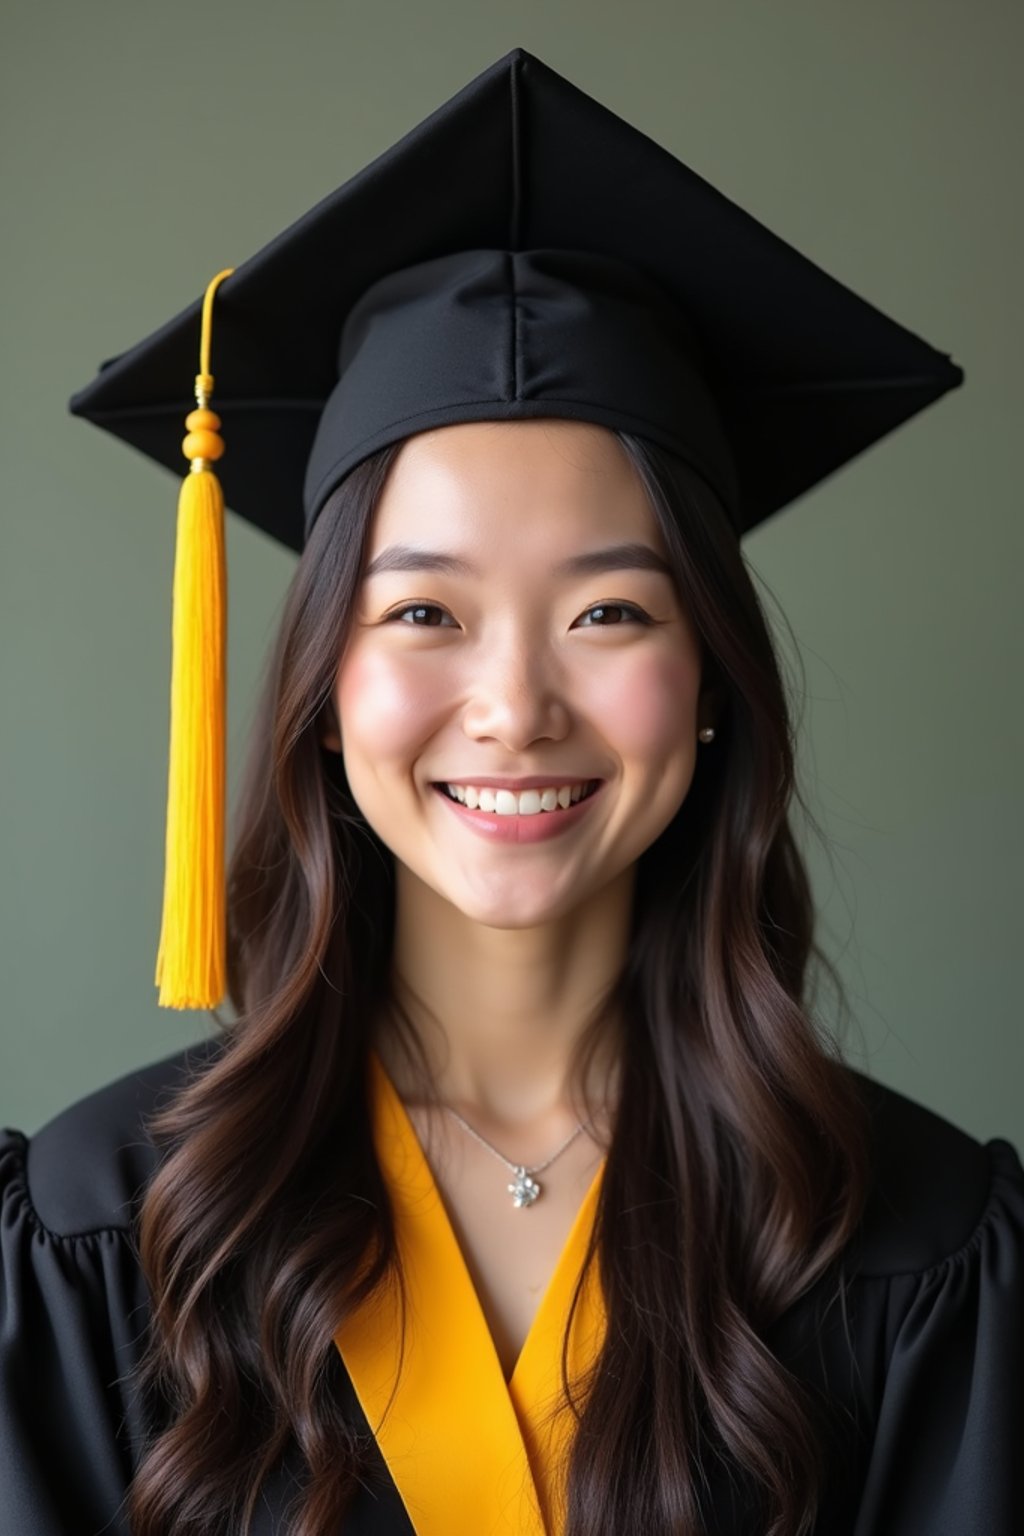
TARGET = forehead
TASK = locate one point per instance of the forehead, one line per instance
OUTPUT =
(495, 481)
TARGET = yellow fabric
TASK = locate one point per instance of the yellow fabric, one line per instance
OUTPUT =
(470, 1454)
(191, 966)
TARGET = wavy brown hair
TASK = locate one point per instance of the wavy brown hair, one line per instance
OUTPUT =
(738, 1166)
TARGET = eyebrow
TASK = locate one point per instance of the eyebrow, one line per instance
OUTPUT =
(592, 562)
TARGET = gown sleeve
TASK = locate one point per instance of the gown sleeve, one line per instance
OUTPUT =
(948, 1453)
(72, 1316)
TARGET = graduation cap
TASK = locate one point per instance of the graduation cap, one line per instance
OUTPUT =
(522, 252)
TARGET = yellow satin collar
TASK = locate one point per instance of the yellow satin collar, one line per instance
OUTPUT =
(470, 1454)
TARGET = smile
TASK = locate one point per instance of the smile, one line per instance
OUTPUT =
(526, 802)
(512, 821)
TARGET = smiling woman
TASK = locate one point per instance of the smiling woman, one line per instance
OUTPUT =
(527, 1192)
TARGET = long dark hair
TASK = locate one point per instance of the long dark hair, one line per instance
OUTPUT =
(738, 1165)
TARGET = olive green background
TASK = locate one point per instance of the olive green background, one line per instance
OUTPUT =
(144, 147)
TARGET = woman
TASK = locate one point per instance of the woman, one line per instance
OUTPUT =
(525, 1191)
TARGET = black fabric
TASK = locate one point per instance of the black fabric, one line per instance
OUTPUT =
(506, 335)
(490, 265)
(920, 1377)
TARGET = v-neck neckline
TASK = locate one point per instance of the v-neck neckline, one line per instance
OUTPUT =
(469, 1451)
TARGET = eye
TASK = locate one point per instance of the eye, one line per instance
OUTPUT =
(633, 613)
(637, 615)
(416, 608)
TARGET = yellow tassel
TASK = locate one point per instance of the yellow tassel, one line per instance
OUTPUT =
(191, 967)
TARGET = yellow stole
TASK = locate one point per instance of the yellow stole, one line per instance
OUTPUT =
(470, 1454)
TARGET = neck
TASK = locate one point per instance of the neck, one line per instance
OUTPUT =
(501, 1012)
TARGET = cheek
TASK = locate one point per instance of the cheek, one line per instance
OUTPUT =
(650, 706)
(385, 707)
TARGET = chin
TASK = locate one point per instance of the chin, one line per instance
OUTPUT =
(510, 914)
(513, 909)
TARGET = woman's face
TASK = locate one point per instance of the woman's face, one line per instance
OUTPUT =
(517, 664)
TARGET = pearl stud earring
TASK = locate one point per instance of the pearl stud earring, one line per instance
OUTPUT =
(707, 734)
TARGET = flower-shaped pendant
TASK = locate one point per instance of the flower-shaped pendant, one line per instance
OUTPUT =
(523, 1189)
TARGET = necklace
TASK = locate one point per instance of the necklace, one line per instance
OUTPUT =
(524, 1188)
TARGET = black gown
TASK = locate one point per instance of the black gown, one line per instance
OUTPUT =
(932, 1394)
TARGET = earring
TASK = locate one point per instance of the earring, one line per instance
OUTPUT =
(707, 734)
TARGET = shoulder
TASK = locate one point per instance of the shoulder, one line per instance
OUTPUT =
(934, 1188)
(83, 1170)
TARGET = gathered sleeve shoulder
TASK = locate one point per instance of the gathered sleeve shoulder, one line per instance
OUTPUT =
(74, 1311)
(941, 1300)
(71, 1310)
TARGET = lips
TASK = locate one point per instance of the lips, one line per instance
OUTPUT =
(521, 829)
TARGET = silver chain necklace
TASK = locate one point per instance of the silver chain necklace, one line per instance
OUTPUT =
(524, 1188)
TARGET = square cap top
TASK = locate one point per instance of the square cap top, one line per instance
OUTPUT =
(522, 252)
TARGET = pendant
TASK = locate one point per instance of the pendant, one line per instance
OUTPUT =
(523, 1190)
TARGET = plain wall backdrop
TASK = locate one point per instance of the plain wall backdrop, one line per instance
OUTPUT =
(144, 147)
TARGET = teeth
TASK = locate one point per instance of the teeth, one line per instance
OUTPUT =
(528, 802)
(508, 804)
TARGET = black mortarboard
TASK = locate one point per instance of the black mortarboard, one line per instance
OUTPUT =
(522, 252)
(525, 252)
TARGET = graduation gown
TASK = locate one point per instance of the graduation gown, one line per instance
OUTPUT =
(926, 1368)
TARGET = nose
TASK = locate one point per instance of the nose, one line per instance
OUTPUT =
(518, 697)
